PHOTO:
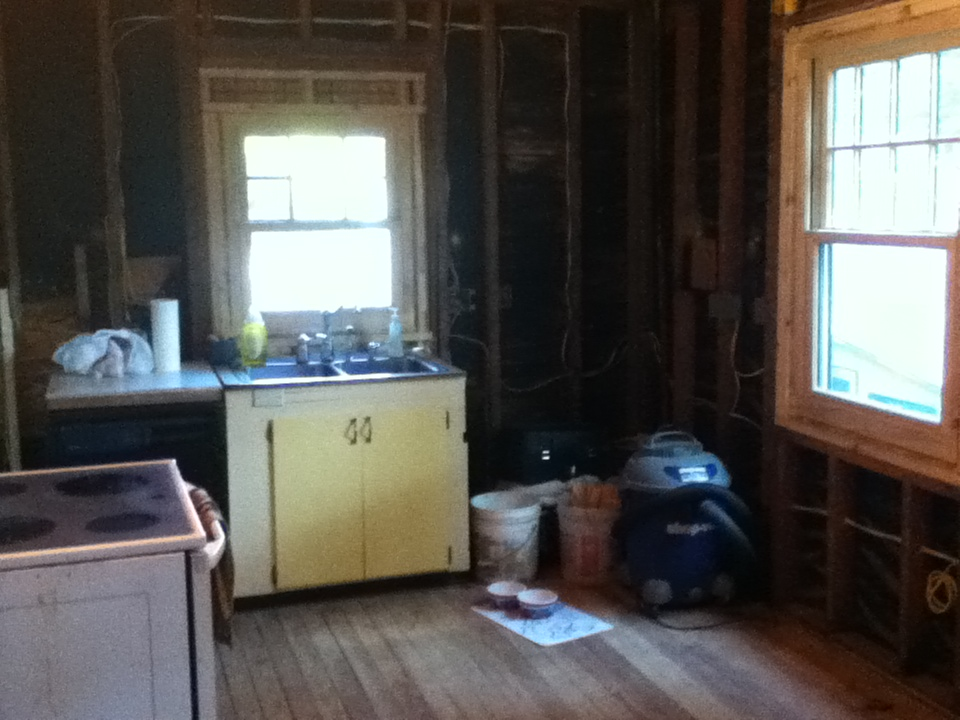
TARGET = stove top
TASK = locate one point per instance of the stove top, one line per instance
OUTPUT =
(95, 512)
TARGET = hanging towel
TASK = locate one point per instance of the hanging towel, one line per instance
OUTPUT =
(221, 577)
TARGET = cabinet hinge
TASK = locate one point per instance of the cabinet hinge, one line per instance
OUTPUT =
(449, 555)
(273, 575)
(448, 419)
(269, 432)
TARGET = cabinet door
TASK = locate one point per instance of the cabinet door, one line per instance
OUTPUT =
(107, 640)
(405, 485)
(318, 501)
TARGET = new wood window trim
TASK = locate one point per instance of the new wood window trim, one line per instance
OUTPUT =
(238, 102)
(811, 53)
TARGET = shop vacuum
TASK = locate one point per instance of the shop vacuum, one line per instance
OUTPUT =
(684, 536)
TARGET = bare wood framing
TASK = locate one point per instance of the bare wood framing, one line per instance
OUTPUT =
(437, 181)
(574, 280)
(400, 20)
(114, 224)
(10, 421)
(305, 8)
(733, 69)
(10, 263)
(641, 295)
(839, 542)
(783, 532)
(192, 176)
(315, 54)
(913, 514)
(206, 18)
(686, 221)
(489, 92)
(771, 438)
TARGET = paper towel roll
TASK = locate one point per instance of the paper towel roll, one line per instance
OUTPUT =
(165, 330)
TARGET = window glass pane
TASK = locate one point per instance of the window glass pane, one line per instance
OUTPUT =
(949, 98)
(320, 269)
(882, 334)
(319, 192)
(914, 191)
(268, 200)
(876, 189)
(845, 195)
(369, 201)
(366, 156)
(948, 188)
(876, 87)
(266, 156)
(913, 97)
(844, 107)
(366, 172)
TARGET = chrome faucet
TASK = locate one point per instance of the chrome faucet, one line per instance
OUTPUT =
(319, 346)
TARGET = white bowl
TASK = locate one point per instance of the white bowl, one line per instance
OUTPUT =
(504, 593)
(538, 602)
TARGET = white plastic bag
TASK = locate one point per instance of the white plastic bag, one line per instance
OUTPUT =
(81, 354)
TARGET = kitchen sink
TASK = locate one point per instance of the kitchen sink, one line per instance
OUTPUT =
(387, 366)
(283, 370)
(286, 371)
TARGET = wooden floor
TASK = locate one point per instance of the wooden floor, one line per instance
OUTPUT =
(422, 653)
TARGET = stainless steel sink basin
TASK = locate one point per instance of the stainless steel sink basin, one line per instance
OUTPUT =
(274, 371)
(388, 366)
(285, 371)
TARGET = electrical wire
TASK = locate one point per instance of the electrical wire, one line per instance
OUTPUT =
(941, 590)
(738, 376)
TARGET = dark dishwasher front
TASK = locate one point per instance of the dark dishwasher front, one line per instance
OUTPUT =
(191, 433)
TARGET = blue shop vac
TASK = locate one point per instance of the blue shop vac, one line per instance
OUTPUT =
(684, 536)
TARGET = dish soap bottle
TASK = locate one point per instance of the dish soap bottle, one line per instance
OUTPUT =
(394, 344)
(253, 339)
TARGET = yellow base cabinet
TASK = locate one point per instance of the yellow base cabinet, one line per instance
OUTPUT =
(344, 483)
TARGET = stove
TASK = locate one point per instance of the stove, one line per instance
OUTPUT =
(95, 512)
(105, 595)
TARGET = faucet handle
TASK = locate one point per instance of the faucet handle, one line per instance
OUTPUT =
(302, 348)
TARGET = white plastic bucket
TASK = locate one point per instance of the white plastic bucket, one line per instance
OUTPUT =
(505, 526)
(586, 544)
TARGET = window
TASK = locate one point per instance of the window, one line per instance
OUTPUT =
(316, 204)
(869, 217)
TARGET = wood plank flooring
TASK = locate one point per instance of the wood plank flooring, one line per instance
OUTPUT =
(422, 653)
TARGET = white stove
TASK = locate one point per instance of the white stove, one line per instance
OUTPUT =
(104, 595)
(92, 513)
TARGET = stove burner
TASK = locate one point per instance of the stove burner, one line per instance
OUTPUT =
(18, 528)
(102, 484)
(9, 489)
(124, 522)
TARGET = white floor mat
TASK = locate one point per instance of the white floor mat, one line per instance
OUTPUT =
(566, 623)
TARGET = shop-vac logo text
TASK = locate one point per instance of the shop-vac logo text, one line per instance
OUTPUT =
(691, 529)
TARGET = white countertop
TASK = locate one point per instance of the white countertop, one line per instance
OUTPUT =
(195, 382)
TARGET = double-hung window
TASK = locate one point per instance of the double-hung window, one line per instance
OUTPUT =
(316, 198)
(868, 342)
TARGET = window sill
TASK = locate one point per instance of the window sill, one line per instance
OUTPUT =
(885, 458)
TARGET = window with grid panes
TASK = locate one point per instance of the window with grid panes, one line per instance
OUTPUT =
(316, 198)
(870, 208)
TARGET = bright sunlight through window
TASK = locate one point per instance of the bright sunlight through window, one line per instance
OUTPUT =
(892, 167)
(318, 211)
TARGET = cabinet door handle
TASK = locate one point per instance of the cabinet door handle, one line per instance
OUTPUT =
(351, 432)
(366, 430)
